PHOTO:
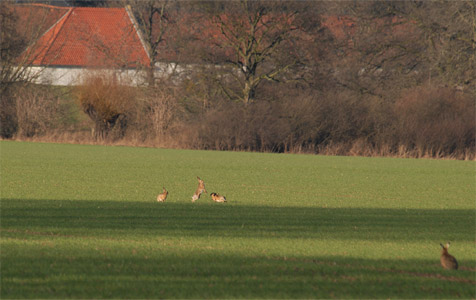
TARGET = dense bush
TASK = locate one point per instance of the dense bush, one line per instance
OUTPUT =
(38, 111)
(233, 126)
(437, 121)
(426, 121)
(107, 102)
(8, 116)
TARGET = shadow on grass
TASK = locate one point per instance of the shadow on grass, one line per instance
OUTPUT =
(210, 219)
(44, 268)
(226, 276)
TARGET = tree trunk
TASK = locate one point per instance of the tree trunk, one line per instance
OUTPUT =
(100, 130)
(150, 74)
(248, 93)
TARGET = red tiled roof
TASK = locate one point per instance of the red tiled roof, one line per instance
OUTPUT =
(106, 37)
(91, 37)
(36, 19)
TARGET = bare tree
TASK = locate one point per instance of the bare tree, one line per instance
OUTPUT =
(160, 110)
(106, 101)
(250, 36)
(20, 27)
(39, 110)
(153, 21)
(448, 32)
(393, 45)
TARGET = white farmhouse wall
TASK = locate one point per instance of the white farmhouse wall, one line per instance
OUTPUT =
(56, 76)
(70, 76)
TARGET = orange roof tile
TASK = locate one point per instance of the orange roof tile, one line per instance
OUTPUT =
(91, 37)
(36, 19)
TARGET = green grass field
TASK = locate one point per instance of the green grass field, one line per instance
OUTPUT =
(82, 222)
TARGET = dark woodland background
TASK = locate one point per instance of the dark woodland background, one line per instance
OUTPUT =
(372, 78)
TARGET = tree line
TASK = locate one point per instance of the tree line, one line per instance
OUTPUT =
(345, 78)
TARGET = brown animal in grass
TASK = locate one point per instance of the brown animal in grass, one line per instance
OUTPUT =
(447, 260)
(200, 189)
(218, 198)
(162, 196)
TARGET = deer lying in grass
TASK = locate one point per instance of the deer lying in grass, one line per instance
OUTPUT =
(199, 191)
(447, 260)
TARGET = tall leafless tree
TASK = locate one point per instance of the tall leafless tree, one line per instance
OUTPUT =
(393, 45)
(251, 36)
(18, 34)
(153, 22)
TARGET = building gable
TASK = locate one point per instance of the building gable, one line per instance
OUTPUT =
(91, 37)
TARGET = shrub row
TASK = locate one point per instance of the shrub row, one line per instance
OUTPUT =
(426, 121)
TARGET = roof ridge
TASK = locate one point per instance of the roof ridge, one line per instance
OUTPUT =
(63, 44)
(137, 31)
(97, 8)
(44, 5)
(60, 23)
(30, 49)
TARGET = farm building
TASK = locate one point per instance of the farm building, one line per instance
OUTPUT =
(75, 41)
(79, 40)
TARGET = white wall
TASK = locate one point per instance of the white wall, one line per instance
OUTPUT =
(68, 76)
